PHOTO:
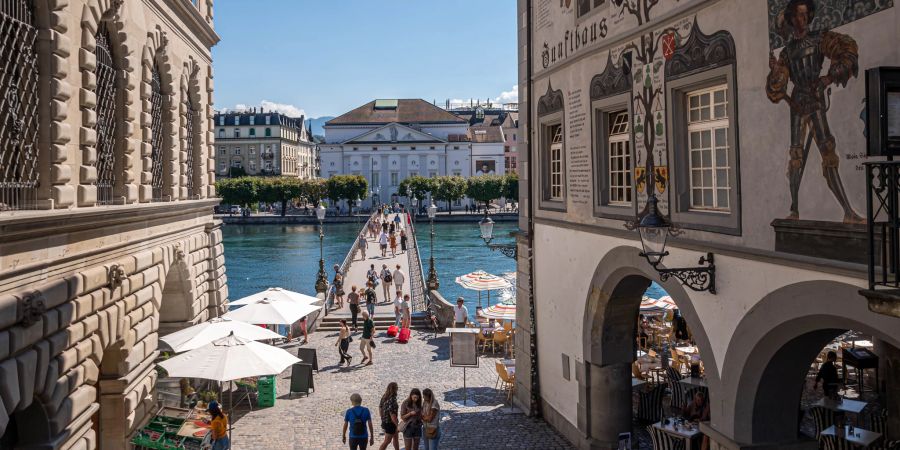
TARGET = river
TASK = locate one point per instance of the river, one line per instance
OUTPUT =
(261, 256)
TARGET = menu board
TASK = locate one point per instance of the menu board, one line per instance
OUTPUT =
(463, 348)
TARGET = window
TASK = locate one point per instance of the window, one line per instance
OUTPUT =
(237, 150)
(374, 148)
(395, 178)
(413, 173)
(237, 132)
(252, 120)
(432, 148)
(393, 148)
(252, 150)
(412, 148)
(457, 173)
(707, 127)
(253, 132)
(619, 151)
(106, 111)
(268, 130)
(455, 147)
(583, 7)
(376, 179)
(222, 151)
(555, 163)
(221, 132)
(268, 121)
(514, 138)
(355, 148)
(222, 121)
(432, 174)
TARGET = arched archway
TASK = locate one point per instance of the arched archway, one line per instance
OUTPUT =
(773, 347)
(610, 322)
(29, 427)
(176, 307)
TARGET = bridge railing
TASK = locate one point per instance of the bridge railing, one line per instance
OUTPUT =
(416, 274)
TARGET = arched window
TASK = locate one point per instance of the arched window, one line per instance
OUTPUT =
(190, 115)
(18, 106)
(156, 134)
(106, 117)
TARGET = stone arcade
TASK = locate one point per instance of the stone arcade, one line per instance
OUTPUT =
(107, 239)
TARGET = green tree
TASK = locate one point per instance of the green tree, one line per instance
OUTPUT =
(485, 188)
(238, 191)
(347, 187)
(511, 187)
(314, 190)
(280, 190)
(449, 189)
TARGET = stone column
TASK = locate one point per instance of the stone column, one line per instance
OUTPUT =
(609, 403)
(889, 376)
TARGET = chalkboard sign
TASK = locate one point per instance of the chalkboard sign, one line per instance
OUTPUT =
(463, 347)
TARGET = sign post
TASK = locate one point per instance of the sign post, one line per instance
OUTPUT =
(464, 353)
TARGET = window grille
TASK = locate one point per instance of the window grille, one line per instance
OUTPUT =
(106, 117)
(189, 116)
(156, 135)
(18, 106)
(708, 144)
(555, 159)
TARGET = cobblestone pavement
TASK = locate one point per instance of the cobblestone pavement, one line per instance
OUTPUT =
(314, 422)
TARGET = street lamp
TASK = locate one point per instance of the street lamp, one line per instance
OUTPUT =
(432, 283)
(487, 234)
(321, 277)
(654, 230)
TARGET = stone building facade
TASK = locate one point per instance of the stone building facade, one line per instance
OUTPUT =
(264, 143)
(107, 239)
(715, 108)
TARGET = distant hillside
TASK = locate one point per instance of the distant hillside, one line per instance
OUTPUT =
(316, 124)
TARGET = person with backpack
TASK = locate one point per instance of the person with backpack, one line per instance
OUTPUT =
(357, 418)
(387, 279)
(371, 299)
(372, 275)
(399, 278)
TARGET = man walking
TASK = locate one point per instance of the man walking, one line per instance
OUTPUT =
(399, 278)
(362, 245)
(365, 342)
(398, 305)
(357, 418)
(386, 279)
(460, 313)
(383, 242)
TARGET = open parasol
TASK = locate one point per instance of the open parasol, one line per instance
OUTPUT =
(482, 281)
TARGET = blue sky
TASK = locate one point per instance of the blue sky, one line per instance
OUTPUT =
(325, 57)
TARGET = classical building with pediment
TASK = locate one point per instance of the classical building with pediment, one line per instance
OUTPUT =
(389, 140)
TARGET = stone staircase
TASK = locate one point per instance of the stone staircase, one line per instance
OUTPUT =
(331, 322)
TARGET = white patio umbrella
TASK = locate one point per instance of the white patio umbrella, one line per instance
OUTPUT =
(272, 312)
(229, 358)
(482, 281)
(203, 333)
(275, 293)
(500, 311)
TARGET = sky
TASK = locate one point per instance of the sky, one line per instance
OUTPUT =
(325, 57)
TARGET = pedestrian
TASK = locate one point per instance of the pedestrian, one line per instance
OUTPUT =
(343, 343)
(397, 221)
(362, 245)
(353, 300)
(365, 342)
(372, 275)
(303, 330)
(391, 228)
(357, 418)
(387, 278)
(403, 239)
(467, 208)
(828, 375)
(399, 278)
(393, 240)
(338, 290)
(405, 311)
(371, 299)
(383, 242)
(460, 313)
(219, 425)
(388, 410)
(398, 313)
(384, 226)
(411, 415)
(431, 417)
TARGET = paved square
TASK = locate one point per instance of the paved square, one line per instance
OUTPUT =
(314, 422)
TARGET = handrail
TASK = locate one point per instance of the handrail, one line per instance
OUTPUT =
(416, 273)
(348, 260)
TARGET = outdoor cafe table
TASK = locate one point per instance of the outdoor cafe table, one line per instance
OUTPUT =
(686, 350)
(845, 405)
(693, 381)
(861, 437)
(686, 435)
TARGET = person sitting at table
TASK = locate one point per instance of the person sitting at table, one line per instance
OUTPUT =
(680, 325)
(828, 376)
(698, 409)
(479, 315)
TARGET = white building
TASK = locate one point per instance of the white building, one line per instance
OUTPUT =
(389, 140)
(264, 143)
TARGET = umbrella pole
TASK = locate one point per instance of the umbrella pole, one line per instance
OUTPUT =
(479, 298)
(230, 408)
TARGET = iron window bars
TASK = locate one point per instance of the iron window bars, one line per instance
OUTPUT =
(106, 118)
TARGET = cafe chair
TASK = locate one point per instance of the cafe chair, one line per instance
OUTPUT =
(676, 388)
(636, 371)
(830, 442)
(650, 404)
(501, 339)
(484, 341)
(664, 441)
(822, 419)
(508, 382)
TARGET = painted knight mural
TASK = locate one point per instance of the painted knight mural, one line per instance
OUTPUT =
(801, 63)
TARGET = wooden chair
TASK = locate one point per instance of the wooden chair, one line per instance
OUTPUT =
(485, 341)
(499, 367)
(636, 371)
(822, 419)
(664, 441)
(501, 339)
(650, 404)
(508, 381)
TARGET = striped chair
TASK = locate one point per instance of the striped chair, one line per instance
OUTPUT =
(676, 389)
(650, 406)
(822, 418)
(664, 441)
(831, 442)
(878, 424)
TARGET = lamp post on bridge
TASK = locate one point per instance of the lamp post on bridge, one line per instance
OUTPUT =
(321, 277)
(432, 283)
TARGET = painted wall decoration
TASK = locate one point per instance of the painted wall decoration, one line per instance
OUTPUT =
(800, 78)
(829, 14)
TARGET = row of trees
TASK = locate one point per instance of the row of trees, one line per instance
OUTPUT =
(245, 191)
(483, 189)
